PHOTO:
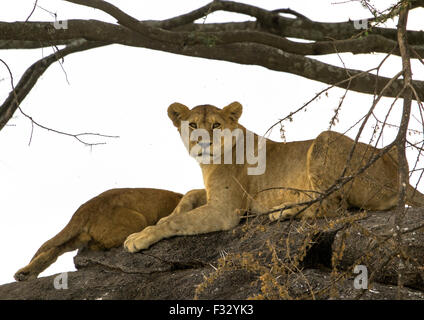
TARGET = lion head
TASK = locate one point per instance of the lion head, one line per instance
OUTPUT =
(207, 131)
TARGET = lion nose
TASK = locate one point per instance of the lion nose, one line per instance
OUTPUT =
(204, 145)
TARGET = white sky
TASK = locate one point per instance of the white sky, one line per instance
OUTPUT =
(125, 91)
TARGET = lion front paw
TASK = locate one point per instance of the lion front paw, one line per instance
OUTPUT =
(141, 240)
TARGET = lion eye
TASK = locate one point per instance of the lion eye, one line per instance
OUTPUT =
(216, 125)
(193, 125)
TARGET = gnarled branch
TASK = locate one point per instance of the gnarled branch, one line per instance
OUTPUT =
(262, 42)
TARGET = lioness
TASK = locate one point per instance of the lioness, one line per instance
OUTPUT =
(295, 172)
(105, 221)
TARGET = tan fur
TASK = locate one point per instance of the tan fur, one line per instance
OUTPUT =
(103, 223)
(295, 172)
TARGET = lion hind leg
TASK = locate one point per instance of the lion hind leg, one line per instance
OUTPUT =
(332, 206)
(293, 211)
(110, 231)
(282, 214)
(63, 242)
(46, 257)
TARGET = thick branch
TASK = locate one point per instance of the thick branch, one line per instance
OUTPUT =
(17, 36)
(312, 30)
(300, 27)
(193, 45)
(269, 21)
(279, 60)
(260, 43)
(122, 17)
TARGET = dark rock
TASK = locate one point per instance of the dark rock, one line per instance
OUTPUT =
(239, 264)
(376, 252)
(319, 280)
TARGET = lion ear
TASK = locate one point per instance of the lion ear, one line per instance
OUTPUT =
(176, 112)
(233, 110)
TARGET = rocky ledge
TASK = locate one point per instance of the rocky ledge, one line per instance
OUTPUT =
(258, 259)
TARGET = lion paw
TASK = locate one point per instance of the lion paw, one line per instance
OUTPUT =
(282, 214)
(275, 216)
(140, 240)
(23, 275)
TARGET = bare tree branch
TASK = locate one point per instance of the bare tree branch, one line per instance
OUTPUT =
(32, 74)
(77, 136)
(403, 172)
(32, 11)
(262, 42)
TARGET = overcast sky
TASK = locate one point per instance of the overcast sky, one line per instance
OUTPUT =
(125, 91)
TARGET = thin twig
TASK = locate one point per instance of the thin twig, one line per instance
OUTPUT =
(33, 9)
